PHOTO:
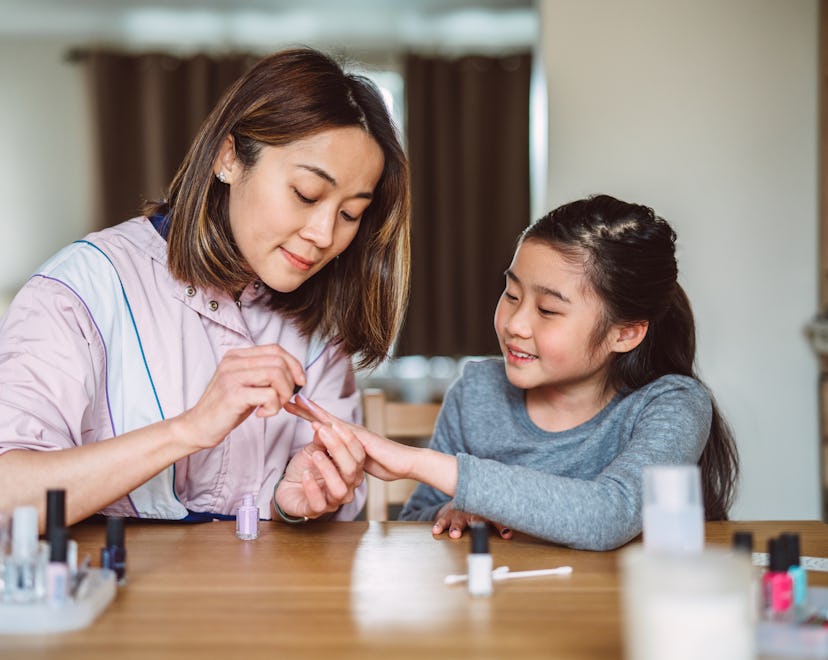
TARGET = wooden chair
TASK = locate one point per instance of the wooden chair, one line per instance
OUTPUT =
(402, 422)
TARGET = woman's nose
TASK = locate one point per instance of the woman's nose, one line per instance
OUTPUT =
(319, 229)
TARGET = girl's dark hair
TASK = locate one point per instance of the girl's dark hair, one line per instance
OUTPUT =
(359, 299)
(628, 254)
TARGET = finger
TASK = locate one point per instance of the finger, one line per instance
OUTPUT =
(317, 501)
(337, 488)
(299, 411)
(345, 450)
(505, 532)
(315, 410)
(440, 525)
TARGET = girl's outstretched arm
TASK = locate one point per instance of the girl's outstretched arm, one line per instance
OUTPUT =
(386, 459)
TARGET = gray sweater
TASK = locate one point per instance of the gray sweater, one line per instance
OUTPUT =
(580, 487)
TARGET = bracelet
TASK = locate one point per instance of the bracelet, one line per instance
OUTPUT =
(293, 520)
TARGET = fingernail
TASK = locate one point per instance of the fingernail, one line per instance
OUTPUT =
(318, 456)
(303, 398)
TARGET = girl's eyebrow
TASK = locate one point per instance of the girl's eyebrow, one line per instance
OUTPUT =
(537, 288)
(322, 174)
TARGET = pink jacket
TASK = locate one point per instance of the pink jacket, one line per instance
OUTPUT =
(54, 368)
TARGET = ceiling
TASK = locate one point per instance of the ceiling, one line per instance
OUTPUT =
(221, 24)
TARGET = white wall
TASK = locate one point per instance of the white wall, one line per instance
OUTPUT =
(46, 167)
(706, 110)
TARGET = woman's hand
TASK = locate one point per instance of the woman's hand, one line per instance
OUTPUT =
(259, 378)
(456, 521)
(323, 475)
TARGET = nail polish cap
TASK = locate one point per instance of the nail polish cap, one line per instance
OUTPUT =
(479, 538)
(55, 509)
(57, 544)
(114, 532)
(743, 541)
(777, 562)
(791, 543)
(247, 500)
(24, 532)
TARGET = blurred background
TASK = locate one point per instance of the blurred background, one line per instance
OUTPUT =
(706, 110)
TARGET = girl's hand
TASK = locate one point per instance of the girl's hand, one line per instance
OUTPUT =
(386, 459)
(259, 378)
(456, 521)
(323, 475)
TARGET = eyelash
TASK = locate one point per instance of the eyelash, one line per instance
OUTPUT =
(309, 201)
(543, 312)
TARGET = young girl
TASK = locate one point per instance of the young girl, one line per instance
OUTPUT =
(596, 381)
(131, 362)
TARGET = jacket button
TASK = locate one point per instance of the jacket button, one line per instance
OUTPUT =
(190, 291)
(213, 305)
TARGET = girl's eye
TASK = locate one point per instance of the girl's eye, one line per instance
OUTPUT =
(509, 296)
(303, 199)
(546, 312)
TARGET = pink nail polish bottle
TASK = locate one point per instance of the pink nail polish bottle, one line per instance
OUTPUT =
(777, 585)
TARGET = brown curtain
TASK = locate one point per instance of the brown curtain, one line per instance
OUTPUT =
(147, 110)
(468, 140)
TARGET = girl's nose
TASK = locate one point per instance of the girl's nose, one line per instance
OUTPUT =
(518, 324)
(319, 228)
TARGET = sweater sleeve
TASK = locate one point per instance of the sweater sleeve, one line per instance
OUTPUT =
(598, 513)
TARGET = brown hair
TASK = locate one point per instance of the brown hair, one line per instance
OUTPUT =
(359, 299)
(629, 258)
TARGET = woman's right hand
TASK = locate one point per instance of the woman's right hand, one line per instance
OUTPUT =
(259, 378)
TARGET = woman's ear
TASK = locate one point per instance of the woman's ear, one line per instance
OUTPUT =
(225, 164)
(629, 335)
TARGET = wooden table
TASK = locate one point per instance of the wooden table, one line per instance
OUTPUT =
(353, 590)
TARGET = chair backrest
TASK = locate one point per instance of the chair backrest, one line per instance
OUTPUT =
(399, 421)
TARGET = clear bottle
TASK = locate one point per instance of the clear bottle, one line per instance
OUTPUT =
(25, 567)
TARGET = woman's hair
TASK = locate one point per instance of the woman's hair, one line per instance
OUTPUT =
(358, 299)
(628, 253)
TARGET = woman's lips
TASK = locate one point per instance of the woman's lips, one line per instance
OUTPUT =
(296, 261)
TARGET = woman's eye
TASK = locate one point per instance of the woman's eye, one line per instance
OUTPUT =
(303, 199)
(349, 217)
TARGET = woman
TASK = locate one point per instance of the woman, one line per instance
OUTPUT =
(144, 369)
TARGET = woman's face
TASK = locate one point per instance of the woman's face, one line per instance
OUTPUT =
(300, 205)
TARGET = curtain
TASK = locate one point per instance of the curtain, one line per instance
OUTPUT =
(148, 108)
(468, 141)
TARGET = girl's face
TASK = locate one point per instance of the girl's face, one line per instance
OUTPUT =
(545, 320)
(300, 205)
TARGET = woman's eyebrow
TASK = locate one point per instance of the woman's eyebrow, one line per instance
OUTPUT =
(322, 174)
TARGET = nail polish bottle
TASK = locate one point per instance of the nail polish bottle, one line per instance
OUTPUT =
(247, 519)
(23, 570)
(777, 586)
(798, 575)
(57, 571)
(113, 556)
(55, 510)
(479, 561)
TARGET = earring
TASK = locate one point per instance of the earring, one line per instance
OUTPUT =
(221, 176)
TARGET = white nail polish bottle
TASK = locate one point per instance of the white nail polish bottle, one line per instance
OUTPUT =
(479, 561)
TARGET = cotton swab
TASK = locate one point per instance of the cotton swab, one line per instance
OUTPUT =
(503, 573)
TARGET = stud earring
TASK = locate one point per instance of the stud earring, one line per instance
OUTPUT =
(221, 176)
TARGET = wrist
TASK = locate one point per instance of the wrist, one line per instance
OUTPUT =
(293, 520)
